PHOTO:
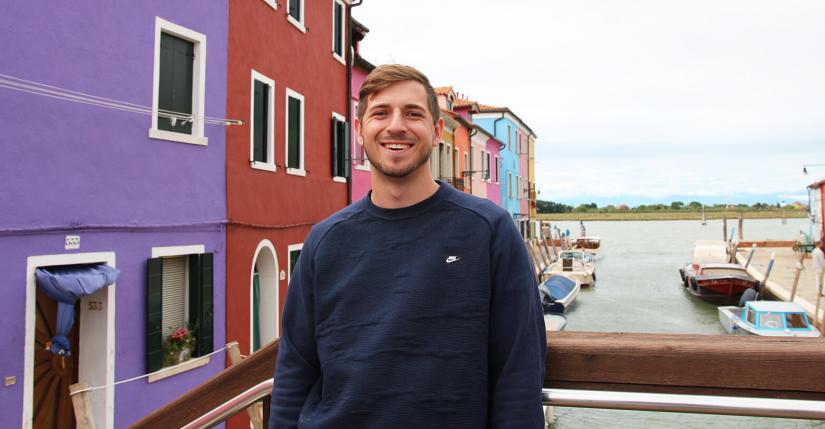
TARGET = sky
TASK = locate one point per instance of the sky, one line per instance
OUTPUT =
(633, 101)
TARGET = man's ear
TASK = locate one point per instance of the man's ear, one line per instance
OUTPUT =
(439, 126)
(357, 124)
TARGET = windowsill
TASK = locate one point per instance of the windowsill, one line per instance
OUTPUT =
(177, 137)
(339, 58)
(363, 167)
(271, 4)
(262, 166)
(339, 179)
(296, 172)
(169, 371)
(299, 25)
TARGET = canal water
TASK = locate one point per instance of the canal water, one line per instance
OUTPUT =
(638, 289)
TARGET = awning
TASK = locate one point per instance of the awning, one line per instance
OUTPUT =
(66, 284)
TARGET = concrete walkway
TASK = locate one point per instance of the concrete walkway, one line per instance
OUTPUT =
(782, 274)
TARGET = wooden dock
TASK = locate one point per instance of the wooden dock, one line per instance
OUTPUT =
(782, 274)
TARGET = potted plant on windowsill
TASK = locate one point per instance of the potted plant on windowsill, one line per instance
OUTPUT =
(178, 346)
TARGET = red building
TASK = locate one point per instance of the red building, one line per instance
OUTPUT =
(286, 168)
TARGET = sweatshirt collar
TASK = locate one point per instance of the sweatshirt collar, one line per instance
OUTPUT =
(409, 211)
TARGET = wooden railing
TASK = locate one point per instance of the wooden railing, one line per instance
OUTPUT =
(762, 367)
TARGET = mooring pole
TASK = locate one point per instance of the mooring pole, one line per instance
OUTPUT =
(796, 273)
(767, 273)
(741, 221)
(724, 228)
(750, 255)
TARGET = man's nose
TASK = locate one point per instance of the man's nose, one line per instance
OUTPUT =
(397, 123)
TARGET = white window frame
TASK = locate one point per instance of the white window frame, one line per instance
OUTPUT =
(509, 185)
(289, 249)
(340, 117)
(302, 170)
(168, 371)
(363, 163)
(339, 58)
(272, 4)
(198, 84)
(299, 24)
(487, 159)
(269, 165)
(498, 169)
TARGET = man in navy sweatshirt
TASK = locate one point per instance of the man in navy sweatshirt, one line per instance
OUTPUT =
(415, 307)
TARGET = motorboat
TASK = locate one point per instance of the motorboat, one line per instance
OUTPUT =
(720, 283)
(588, 244)
(767, 318)
(560, 289)
(555, 322)
(576, 265)
(704, 252)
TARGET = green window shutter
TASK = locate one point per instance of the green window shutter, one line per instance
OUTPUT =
(295, 9)
(177, 57)
(201, 301)
(339, 148)
(260, 116)
(336, 171)
(294, 132)
(343, 147)
(338, 31)
(256, 311)
(154, 336)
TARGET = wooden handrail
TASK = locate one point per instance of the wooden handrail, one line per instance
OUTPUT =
(766, 367)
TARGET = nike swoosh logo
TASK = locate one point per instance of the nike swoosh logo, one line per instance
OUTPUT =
(451, 259)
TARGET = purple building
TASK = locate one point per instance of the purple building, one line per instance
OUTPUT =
(128, 171)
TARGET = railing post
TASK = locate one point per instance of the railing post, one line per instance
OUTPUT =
(82, 406)
(796, 273)
(254, 410)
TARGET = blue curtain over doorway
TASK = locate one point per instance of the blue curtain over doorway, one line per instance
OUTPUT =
(66, 284)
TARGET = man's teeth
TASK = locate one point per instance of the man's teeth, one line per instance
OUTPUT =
(396, 146)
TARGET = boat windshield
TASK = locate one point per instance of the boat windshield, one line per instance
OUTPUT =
(572, 255)
(796, 321)
(770, 320)
(751, 316)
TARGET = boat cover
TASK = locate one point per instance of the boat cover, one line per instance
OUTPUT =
(559, 286)
(66, 284)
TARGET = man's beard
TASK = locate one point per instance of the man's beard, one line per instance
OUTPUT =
(402, 172)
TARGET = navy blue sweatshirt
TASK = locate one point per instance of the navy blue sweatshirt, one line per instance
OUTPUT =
(422, 317)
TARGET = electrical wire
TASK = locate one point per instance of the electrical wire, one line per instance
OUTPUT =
(37, 88)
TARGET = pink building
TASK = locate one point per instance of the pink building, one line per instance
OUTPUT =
(360, 171)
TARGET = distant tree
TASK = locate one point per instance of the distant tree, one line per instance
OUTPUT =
(551, 207)
(695, 205)
(583, 208)
(778, 206)
(677, 205)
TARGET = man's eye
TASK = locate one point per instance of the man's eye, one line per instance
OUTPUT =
(415, 114)
(378, 113)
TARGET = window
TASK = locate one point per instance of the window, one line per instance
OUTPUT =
(178, 86)
(509, 185)
(487, 166)
(496, 163)
(340, 166)
(261, 127)
(466, 163)
(509, 134)
(295, 13)
(295, 133)
(294, 252)
(178, 295)
(338, 30)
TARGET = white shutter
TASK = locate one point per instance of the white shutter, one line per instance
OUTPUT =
(173, 297)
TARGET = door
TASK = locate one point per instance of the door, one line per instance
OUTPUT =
(53, 374)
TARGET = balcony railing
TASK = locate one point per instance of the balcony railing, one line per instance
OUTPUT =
(735, 375)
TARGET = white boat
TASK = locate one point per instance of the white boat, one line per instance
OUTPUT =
(576, 265)
(559, 289)
(767, 318)
(555, 322)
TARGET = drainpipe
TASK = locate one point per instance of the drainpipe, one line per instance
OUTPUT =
(348, 152)
(473, 132)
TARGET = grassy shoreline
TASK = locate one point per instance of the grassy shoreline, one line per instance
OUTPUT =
(673, 215)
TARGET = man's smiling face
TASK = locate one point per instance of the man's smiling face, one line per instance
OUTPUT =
(398, 131)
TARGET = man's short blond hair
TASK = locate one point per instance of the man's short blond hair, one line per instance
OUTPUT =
(389, 74)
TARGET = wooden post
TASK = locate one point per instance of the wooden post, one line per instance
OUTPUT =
(816, 307)
(741, 221)
(767, 274)
(255, 411)
(750, 255)
(796, 277)
(82, 406)
(725, 228)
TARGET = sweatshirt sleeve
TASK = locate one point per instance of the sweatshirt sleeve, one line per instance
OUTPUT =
(297, 368)
(518, 341)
